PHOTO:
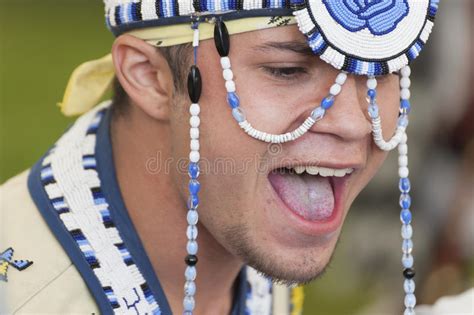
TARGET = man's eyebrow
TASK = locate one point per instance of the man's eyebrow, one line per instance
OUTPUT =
(296, 46)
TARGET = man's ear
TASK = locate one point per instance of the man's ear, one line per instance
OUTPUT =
(145, 75)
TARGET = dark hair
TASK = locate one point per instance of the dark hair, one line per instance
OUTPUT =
(178, 58)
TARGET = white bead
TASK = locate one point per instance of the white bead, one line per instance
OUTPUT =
(405, 83)
(192, 217)
(194, 133)
(335, 89)
(409, 285)
(405, 94)
(192, 232)
(194, 156)
(189, 288)
(196, 38)
(406, 71)
(230, 86)
(194, 145)
(407, 246)
(410, 300)
(409, 311)
(194, 109)
(403, 160)
(192, 247)
(268, 137)
(225, 62)
(341, 78)
(227, 74)
(404, 138)
(194, 121)
(403, 172)
(189, 303)
(407, 231)
(190, 273)
(407, 261)
(372, 83)
(403, 149)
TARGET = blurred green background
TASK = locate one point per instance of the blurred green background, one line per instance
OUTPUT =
(42, 41)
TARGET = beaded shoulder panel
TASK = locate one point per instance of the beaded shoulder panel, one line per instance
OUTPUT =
(70, 179)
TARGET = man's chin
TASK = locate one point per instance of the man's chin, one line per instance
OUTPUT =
(290, 276)
(283, 264)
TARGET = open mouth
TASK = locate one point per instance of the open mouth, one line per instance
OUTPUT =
(311, 192)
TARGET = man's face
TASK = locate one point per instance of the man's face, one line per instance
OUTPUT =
(284, 224)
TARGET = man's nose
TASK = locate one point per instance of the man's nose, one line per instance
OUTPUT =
(346, 119)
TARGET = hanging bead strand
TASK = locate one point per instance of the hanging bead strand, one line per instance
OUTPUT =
(222, 42)
(407, 230)
(405, 199)
(399, 139)
(191, 259)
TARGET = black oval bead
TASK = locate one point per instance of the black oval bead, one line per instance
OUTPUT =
(191, 260)
(408, 273)
(194, 84)
(221, 39)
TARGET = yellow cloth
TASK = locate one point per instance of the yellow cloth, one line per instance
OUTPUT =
(297, 300)
(91, 80)
(87, 85)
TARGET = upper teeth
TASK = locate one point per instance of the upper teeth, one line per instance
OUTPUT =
(322, 171)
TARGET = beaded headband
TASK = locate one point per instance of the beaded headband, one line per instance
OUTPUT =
(362, 37)
(125, 15)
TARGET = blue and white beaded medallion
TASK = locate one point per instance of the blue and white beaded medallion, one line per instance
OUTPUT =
(366, 37)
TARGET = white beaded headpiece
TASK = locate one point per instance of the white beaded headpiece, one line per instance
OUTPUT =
(366, 37)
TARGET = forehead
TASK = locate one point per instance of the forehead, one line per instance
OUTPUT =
(289, 33)
(283, 39)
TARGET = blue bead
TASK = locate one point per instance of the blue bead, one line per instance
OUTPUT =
(190, 273)
(188, 303)
(405, 104)
(192, 247)
(238, 114)
(405, 201)
(373, 111)
(192, 217)
(194, 186)
(403, 121)
(189, 288)
(405, 216)
(193, 201)
(318, 113)
(327, 102)
(372, 93)
(193, 170)
(297, 2)
(233, 99)
(404, 185)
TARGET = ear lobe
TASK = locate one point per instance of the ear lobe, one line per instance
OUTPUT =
(144, 74)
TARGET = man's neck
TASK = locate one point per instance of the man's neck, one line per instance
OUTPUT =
(158, 212)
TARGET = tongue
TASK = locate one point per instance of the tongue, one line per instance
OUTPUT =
(309, 196)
